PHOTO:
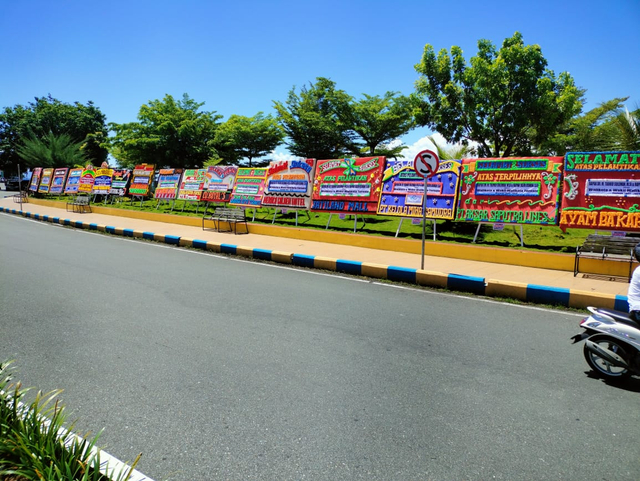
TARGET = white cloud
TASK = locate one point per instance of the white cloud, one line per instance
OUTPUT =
(424, 143)
(280, 155)
(421, 144)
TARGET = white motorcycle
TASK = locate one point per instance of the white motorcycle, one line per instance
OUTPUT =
(612, 343)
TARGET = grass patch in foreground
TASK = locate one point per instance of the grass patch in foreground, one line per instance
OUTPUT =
(34, 444)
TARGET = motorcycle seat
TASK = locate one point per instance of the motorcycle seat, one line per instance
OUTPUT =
(619, 316)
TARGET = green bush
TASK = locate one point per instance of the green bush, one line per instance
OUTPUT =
(34, 444)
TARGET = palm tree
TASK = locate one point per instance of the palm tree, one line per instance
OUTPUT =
(625, 134)
(52, 151)
(453, 151)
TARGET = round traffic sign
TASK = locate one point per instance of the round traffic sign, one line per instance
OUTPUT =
(426, 163)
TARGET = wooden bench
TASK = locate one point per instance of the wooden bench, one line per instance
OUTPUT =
(608, 247)
(80, 203)
(228, 215)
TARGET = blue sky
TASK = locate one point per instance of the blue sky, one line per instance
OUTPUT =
(239, 56)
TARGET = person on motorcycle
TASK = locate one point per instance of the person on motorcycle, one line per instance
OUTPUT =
(633, 296)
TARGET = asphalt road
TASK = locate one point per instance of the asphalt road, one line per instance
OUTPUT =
(216, 368)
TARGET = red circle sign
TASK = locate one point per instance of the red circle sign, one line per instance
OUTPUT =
(426, 163)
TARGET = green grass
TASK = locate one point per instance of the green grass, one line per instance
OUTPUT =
(35, 444)
(535, 237)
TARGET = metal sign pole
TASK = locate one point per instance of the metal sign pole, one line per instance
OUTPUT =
(424, 221)
(426, 164)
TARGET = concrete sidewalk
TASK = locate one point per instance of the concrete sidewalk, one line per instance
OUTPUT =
(515, 278)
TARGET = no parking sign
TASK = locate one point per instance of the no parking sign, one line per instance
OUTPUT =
(425, 164)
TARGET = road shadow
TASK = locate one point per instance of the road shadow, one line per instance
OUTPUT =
(632, 384)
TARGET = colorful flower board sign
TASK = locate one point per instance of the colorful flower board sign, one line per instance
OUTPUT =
(120, 181)
(521, 190)
(88, 177)
(73, 181)
(45, 181)
(350, 186)
(102, 182)
(192, 185)
(141, 183)
(168, 184)
(219, 184)
(57, 184)
(248, 188)
(35, 179)
(601, 191)
(403, 190)
(289, 184)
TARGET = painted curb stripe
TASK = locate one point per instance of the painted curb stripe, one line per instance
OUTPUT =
(148, 235)
(172, 239)
(93, 226)
(457, 282)
(127, 232)
(349, 267)
(369, 269)
(303, 260)
(263, 254)
(228, 249)
(548, 295)
(401, 274)
(621, 304)
(110, 229)
(200, 244)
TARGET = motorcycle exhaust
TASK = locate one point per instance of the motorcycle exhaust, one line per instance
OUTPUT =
(609, 356)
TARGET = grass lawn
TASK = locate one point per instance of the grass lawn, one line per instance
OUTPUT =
(536, 237)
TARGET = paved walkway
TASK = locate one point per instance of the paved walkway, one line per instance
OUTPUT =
(528, 275)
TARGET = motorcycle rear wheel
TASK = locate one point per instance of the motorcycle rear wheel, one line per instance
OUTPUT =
(603, 367)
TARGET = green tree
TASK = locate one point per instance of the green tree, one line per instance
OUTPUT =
(52, 150)
(506, 100)
(451, 152)
(83, 123)
(588, 132)
(312, 122)
(625, 132)
(167, 133)
(248, 137)
(378, 122)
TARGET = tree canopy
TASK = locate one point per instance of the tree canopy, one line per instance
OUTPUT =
(506, 100)
(588, 132)
(168, 132)
(248, 137)
(377, 122)
(324, 122)
(82, 123)
(312, 123)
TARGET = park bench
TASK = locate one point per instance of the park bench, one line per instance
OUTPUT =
(21, 198)
(227, 215)
(80, 203)
(608, 247)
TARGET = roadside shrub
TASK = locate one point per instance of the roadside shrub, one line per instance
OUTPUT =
(35, 445)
